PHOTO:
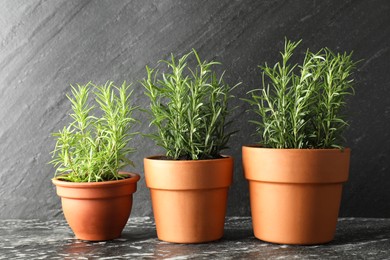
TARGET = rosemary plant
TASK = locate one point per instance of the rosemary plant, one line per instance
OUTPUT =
(93, 149)
(301, 106)
(189, 109)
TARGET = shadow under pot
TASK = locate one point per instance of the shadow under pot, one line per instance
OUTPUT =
(189, 197)
(97, 211)
(295, 194)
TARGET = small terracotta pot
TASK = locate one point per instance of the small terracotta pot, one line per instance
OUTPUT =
(97, 211)
(295, 194)
(189, 198)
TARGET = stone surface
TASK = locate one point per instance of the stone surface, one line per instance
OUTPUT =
(47, 45)
(356, 238)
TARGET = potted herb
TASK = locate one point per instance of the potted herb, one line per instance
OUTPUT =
(189, 184)
(96, 197)
(296, 173)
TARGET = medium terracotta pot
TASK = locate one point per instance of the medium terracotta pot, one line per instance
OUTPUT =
(189, 198)
(295, 194)
(97, 211)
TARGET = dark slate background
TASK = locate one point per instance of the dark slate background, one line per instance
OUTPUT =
(47, 45)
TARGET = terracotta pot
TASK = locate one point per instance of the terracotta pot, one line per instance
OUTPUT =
(295, 194)
(189, 198)
(97, 211)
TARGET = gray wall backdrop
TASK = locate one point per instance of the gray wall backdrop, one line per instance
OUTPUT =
(47, 45)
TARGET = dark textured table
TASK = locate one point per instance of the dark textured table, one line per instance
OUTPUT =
(356, 238)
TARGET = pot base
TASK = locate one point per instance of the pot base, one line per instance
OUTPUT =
(300, 214)
(99, 219)
(195, 216)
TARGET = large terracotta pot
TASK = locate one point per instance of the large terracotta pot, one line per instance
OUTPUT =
(189, 198)
(295, 194)
(97, 211)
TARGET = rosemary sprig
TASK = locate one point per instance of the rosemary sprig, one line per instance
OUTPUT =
(93, 149)
(301, 106)
(188, 107)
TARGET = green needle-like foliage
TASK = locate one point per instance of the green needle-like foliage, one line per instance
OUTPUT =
(94, 149)
(189, 109)
(301, 106)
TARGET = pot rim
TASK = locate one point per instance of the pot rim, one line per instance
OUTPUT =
(134, 177)
(188, 174)
(299, 166)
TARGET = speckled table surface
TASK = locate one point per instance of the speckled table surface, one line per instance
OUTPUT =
(356, 238)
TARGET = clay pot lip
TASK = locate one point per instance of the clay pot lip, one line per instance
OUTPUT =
(188, 174)
(306, 150)
(299, 166)
(157, 158)
(133, 179)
